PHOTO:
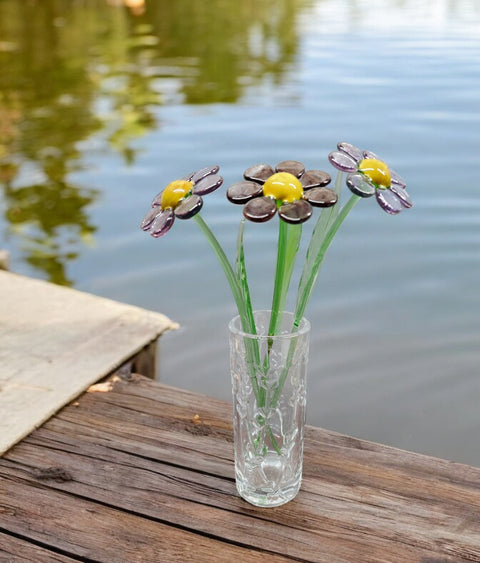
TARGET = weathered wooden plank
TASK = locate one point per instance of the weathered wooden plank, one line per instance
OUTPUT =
(16, 550)
(55, 342)
(207, 504)
(98, 532)
(166, 455)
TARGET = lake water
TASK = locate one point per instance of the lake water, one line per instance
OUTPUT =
(101, 106)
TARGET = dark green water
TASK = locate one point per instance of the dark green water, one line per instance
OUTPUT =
(101, 107)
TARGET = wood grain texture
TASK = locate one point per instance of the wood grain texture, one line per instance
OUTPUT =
(14, 550)
(144, 472)
(55, 342)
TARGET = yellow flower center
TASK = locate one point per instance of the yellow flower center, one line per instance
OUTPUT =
(284, 187)
(175, 192)
(377, 171)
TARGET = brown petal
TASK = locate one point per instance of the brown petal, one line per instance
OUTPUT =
(321, 197)
(295, 212)
(292, 166)
(315, 178)
(260, 209)
(259, 173)
(244, 191)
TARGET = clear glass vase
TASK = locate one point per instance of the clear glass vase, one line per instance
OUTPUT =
(269, 407)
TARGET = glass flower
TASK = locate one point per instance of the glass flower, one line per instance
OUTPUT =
(368, 175)
(288, 188)
(181, 199)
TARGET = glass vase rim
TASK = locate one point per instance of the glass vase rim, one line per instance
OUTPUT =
(234, 327)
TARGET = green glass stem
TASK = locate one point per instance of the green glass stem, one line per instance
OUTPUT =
(244, 308)
(304, 294)
(242, 279)
(311, 277)
(289, 236)
(283, 376)
(259, 447)
(324, 222)
(248, 323)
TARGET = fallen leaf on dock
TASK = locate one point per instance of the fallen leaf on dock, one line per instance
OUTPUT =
(101, 387)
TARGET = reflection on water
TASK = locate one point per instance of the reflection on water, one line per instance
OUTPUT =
(104, 101)
(71, 70)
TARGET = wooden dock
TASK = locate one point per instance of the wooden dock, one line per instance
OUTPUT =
(138, 471)
(129, 470)
(56, 341)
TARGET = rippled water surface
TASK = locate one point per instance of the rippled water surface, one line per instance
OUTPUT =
(101, 105)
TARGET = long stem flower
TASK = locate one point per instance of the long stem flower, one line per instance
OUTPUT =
(291, 193)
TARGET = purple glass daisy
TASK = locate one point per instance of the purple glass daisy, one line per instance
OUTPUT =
(288, 188)
(181, 199)
(368, 175)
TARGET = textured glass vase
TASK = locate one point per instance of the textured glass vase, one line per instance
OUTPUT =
(269, 402)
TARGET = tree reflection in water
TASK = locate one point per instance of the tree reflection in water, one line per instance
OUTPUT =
(73, 70)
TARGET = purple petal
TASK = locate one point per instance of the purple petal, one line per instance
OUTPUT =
(315, 178)
(157, 199)
(342, 161)
(402, 195)
(189, 207)
(321, 197)
(259, 173)
(291, 166)
(244, 191)
(260, 209)
(370, 154)
(208, 184)
(163, 223)
(388, 201)
(296, 212)
(149, 218)
(396, 179)
(196, 176)
(359, 185)
(351, 150)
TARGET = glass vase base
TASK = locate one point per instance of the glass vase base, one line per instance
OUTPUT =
(267, 494)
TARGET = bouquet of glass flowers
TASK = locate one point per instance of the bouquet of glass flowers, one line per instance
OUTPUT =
(268, 355)
(291, 192)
